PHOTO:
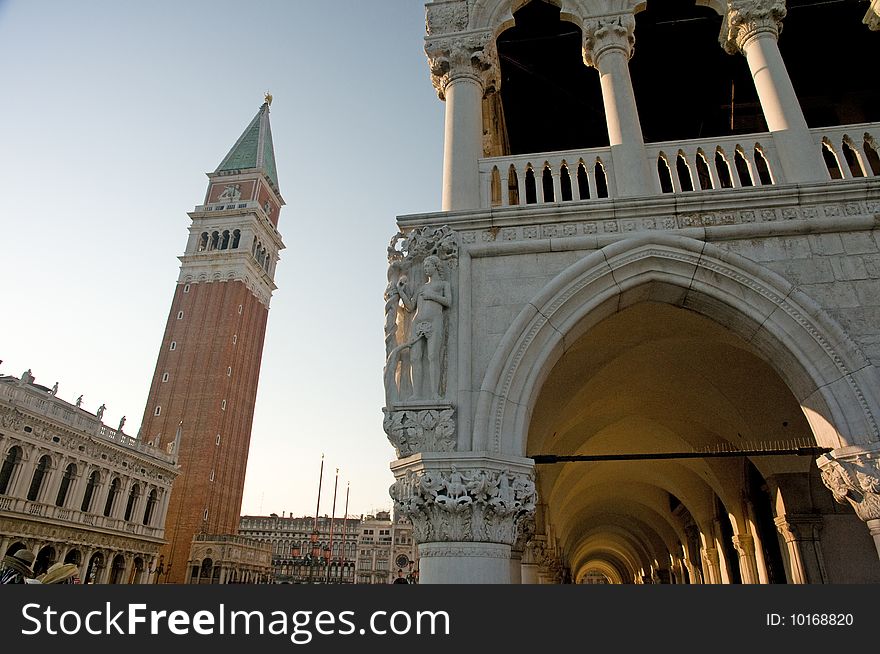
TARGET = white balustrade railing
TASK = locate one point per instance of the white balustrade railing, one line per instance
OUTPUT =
(51, 512)
(710, 164)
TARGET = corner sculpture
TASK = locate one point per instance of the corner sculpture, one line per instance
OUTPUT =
(418, 298)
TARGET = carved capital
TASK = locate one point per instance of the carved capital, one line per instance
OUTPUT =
(460, 505)
(856, 480)
(746, 19)
(429, 430)
(744, 544)
(471, 55)
(604, 34)
(794, 528)
(872, 16)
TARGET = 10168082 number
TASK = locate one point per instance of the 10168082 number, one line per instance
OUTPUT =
(821, 619)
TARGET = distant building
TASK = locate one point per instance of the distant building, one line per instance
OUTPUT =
(74, 490)
(228, 559)
(385, 546)
(302, 553)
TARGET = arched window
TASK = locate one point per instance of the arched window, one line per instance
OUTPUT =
(601, 180)
(531, 189)
(684, 173)
(564, 183)
(495, 188)
(203, 242)
(224, 241)
(583, 181)
(664, 173)
(215, 241)
(10, 463)
(69, 476)
(152, 499)
(94, 480)
(831, 160)
(133, 496)
(39, 475)
(870, 146)
(742, 168)
(762, 166)
(512, 186)
(206, 570)
(236, 238)
(547, 184)
(723, 169)
(703, 174)
(111, 496)
(852, 158)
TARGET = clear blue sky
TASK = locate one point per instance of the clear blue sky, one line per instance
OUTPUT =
(111, 112)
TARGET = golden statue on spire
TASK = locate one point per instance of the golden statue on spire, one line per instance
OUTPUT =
(268, 98)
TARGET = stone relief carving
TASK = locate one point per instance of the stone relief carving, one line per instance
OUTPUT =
(612, 32)
(856, 482)
(411, 432)
(417, 302)
(474, 505)
(231, 192)
(746, 18)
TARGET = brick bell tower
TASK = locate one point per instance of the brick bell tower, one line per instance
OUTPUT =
(201, 401)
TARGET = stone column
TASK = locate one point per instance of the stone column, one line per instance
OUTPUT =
(608, 46)
(748, 565)
(803, 546)
(463, 70)
(711, 565)
(465, 508)
(853, 475)
(752, 27)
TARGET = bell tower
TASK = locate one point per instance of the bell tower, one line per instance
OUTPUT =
(201, 400)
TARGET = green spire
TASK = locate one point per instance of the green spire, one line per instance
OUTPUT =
(253, 149)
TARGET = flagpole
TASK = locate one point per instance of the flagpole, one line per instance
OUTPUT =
(332, 518)
(344, 529)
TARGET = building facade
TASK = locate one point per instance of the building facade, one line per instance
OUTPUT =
(75, 490)
(205, 383)
(386, 550)
(639, 342)
(229, 559)
(306, 551)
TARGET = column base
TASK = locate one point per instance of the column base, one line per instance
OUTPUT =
(464, 563)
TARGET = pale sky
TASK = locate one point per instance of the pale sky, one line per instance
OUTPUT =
(111, 113)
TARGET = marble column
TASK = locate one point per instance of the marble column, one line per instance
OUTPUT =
(463, 70)
(752, 27)
(465, 508)
(853, 476)
(748, 565)
(607, 46)
(803, 547)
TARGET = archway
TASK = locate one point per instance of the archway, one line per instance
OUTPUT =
(669, 345)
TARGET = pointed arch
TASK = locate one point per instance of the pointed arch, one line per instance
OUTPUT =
(828, 374)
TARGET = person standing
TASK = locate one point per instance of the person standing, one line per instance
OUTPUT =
(17, 568)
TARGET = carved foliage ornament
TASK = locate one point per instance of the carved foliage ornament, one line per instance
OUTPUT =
(470, 55)
(455, 506)
(411, 432)
(607, 33)
(747, 18)
(856, 482)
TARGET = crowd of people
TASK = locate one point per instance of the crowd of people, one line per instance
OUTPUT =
(18, 568)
